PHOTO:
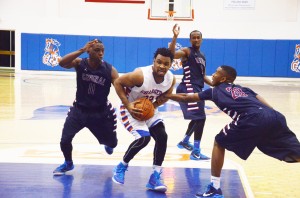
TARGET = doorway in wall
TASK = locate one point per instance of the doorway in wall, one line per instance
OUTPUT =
(7, 49)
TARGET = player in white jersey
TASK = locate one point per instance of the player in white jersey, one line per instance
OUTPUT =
(150, 82)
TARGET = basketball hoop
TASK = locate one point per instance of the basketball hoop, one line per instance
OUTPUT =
(170, 16)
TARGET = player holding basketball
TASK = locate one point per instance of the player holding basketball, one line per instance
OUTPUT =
(91, 108)
(150, 81)
(255, 124)
(194, 77)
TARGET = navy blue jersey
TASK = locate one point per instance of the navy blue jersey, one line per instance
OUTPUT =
(93, 85)
(233, 99)
(194, 68)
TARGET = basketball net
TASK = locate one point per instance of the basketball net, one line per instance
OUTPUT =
(170, 16)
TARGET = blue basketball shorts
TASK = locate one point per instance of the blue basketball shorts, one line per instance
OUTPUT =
(102, 124)
(265, 129)
(191, 110)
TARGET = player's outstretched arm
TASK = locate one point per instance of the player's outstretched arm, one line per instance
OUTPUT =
(161, 100)
(183, 97)
(176, 31)
(207, 80)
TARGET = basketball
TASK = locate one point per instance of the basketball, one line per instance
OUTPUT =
(147, 107)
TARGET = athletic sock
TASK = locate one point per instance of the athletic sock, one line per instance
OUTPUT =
(124, 163)
(216, 181)
(157, 168)
(196, 144)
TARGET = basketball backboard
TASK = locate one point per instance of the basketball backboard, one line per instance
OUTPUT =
(178, 10)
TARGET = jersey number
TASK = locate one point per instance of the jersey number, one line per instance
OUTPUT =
(91, 90)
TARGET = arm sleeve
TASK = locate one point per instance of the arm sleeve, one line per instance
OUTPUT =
(206, 95)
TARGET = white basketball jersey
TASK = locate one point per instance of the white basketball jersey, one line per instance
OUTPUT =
(150, 89)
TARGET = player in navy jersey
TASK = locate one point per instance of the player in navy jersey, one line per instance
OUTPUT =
(254, 124)
(91, 108)
(150, 82)
(194, 77)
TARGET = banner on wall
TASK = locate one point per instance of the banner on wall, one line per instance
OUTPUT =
(51, 55)
(176, 64)
(115, 1)
(295, 65)
(239, 4)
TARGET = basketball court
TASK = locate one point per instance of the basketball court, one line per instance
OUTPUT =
(32, 112)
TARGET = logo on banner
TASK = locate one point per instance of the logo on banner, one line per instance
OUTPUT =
(295, 66)
(51, 56)
(176, 64)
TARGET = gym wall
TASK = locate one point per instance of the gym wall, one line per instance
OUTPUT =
(257, 42)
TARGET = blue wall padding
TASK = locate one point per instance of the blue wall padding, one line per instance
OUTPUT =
(255, 62)
(281, 58)
(243, 57)
(131, 51)
(217, 56)
(24, 51)
(268, 58)
(251, 57)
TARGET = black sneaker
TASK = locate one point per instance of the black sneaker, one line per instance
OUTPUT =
(211, 192)
(186, 145)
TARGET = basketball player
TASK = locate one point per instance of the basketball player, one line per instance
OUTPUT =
(255, 124)
(193, 63)
(91, 108)
(150, 81)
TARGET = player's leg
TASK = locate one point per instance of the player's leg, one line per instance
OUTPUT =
(185, 143)
(73, 124)
(199, 118)
(240, 137)
(133, 149)
(217, 161)
(198, 126)
(142, 137)
(160, 136)
(195, 112)
(280, 142)
(103, 125)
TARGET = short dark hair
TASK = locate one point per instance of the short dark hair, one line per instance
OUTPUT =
(195, 31)
(230, 72)
(99, 41)
(164, 52)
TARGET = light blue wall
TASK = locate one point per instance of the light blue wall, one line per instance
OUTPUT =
(262, 58)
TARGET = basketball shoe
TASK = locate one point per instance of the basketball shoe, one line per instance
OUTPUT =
(196, 155)
(186, 145)
(155, 183)
(211, 192)
(62, 169)
(119, 173)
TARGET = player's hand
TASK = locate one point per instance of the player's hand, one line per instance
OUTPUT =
(90, 44)
(176, 30)
(136, 113)
(161, 99)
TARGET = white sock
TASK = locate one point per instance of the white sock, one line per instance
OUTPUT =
(215, 181)
(157, 168)
(124, 163)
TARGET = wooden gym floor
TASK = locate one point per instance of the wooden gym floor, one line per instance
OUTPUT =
(32, 112)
